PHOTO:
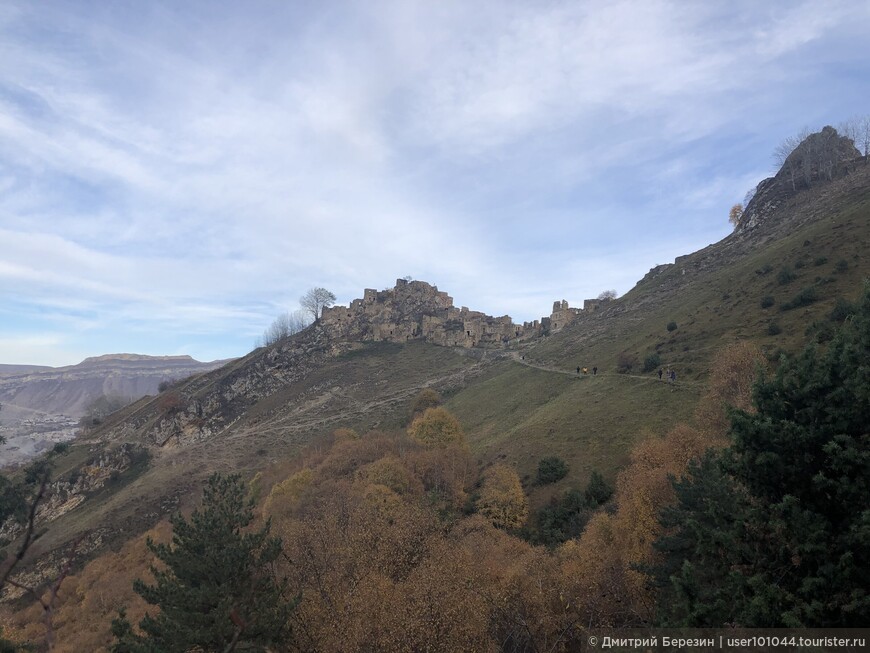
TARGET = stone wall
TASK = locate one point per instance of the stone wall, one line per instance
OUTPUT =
(416, 310)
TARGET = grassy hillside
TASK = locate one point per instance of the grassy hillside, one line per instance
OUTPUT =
(517, 406)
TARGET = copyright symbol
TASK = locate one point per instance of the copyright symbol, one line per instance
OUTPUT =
(593, 641)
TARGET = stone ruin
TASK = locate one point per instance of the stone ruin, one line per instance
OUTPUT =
(416, 310)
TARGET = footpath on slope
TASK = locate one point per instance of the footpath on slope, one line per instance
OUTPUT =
(517, 357)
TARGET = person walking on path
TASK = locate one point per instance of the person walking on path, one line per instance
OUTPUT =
(660, 374)
(578, 369)
(673, 376)
(594, 371)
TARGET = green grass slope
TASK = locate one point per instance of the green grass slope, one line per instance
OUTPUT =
(514, 409)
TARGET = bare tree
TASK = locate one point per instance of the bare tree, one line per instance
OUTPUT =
(607, 294)
(285, 325)
(857, 129)
(863, 142)
(315, 300)
(783, 159)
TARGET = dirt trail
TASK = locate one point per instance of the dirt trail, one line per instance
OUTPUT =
(517, 358)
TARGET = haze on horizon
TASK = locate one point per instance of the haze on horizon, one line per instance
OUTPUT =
(174, 175)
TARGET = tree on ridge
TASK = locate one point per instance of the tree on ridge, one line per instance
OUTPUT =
(315, 300)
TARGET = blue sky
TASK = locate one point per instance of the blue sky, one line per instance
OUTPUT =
(173, 175)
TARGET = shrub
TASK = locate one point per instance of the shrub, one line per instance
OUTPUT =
(767, 301)
(551, 469)
(820, 331)
(427, 398)
(170, 403)
(625, 362)
(773, 329)
(799, 264)
(786, 275)
(164, 385)
(842, 265)
(804, 298)
(842, 310)
(672, 326)
(563, 519)
(767, 268)
(598, 491)
(821, 260)
(344, 433)
(651, 362)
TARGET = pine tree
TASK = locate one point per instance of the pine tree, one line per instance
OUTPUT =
(215, 590)
(775, 530)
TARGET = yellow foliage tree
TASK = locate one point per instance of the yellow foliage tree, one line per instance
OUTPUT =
(287, 492)
(436, 427)
(390, 472)
(344, 434)
(502, 499)
(732, 374)
(427, 398)
(735, 214)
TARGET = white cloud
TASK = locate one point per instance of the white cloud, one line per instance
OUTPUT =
(170, 165)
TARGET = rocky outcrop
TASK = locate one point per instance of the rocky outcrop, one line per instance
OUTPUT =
(416, 310)
(818, 159)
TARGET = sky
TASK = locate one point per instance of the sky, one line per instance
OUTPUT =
(174, 175)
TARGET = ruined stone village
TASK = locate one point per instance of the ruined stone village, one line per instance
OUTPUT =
(416, 310)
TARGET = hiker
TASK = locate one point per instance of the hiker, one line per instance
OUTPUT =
(578, 369)
(660, 374)
(673, 376)
(594, 371)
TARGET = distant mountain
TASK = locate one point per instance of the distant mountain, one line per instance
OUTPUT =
(68, 390)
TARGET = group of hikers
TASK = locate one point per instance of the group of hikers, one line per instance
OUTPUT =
(670, 375)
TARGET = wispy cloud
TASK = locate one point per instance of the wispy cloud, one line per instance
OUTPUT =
(176, 172)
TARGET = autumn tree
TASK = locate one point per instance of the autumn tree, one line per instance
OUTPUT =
(315, 300)
(215, 587)
(428, 398)
(436, 427)
(735, 214)
(502, 499)
(20, 502)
